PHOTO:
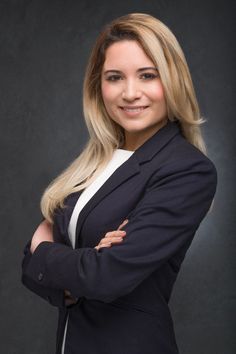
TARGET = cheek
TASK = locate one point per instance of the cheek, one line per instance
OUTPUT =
(109, 93)
(156, 92)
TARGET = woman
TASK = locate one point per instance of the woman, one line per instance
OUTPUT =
(119, 220)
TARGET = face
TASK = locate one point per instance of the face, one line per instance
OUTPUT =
(132, 92)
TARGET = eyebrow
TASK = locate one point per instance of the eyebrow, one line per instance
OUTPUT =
(139, 70)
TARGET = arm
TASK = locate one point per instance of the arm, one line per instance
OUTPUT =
(166, 219)
(54, 296)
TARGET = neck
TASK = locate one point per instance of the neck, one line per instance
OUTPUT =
(133, 140)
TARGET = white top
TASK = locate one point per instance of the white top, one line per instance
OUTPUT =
(119, 157)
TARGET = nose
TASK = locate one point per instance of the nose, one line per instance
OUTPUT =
(131, 91)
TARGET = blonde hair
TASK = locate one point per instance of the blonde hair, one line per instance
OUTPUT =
(162, 47)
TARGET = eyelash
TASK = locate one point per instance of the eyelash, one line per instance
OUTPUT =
(148, 76)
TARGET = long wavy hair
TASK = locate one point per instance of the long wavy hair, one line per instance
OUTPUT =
(105, 135)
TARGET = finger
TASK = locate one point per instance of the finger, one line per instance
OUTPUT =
(116, 233)
(67, 292)
(111, 233)
(102, 246)
(109, 241)
(123, 224)
(115, 238)
(70, 301)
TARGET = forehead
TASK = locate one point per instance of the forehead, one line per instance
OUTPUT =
(124, 54)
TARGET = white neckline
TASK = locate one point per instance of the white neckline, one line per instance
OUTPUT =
(125, 150)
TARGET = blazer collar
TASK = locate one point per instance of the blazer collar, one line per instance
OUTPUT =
(157, 141)
(128, 169)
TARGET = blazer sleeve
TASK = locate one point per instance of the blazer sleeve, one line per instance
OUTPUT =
(54, 296)
(166, 218)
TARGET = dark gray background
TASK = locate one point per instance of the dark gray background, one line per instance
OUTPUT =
(44, 46)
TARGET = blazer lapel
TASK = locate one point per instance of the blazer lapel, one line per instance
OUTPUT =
(127, 170)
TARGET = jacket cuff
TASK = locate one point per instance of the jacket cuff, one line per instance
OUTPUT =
(55, 297)
(37, 267)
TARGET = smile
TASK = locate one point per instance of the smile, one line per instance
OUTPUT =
(136, 109)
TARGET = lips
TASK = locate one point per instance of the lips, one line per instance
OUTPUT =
(133, 109)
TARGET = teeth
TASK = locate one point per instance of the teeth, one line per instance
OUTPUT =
(138, 109)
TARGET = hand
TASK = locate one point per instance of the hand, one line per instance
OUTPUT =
(42, 233)
(69, 300)
(113, 236)
(110, 237)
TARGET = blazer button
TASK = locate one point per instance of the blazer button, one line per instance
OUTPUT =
(40, 276)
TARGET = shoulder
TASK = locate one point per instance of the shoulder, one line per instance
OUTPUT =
(180, 152)
(179, 159)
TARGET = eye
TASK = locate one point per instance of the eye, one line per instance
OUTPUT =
(113, 77)
(148, 76)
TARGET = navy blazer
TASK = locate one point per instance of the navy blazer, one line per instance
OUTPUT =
(164, 189)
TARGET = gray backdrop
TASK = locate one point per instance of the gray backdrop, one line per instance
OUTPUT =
(44, 46)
